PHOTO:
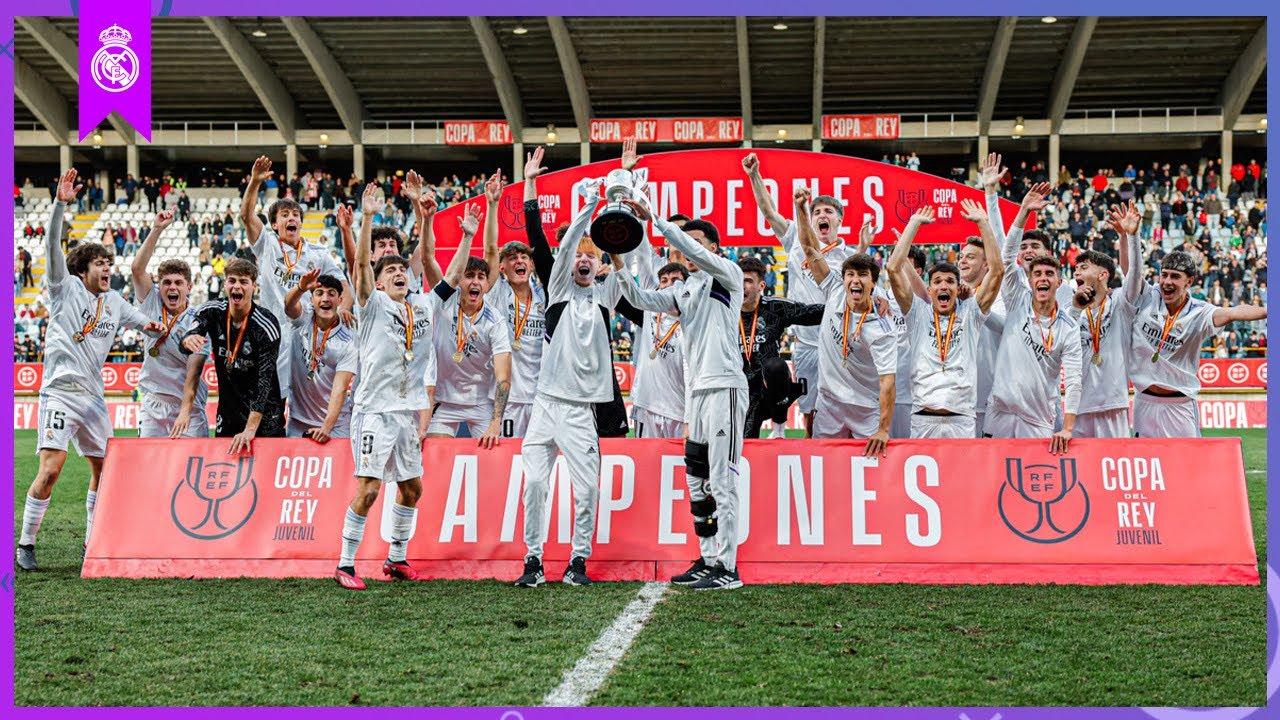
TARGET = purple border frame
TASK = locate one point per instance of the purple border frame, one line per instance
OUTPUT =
(586, 7)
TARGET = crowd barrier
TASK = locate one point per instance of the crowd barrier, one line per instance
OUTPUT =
(1113, 511)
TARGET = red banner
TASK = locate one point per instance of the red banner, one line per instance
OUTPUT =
(814, 511)
(711, 184)
(1221, 373)
(116, 377)
(861, 127)
(671, 130)
(477, 132)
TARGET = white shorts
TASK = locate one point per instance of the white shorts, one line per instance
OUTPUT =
(653, 425)
(805, 360)
(447, 418)
(341, 429)
(1103, 424)
(159, 412)
(515, 420)
(1165, 417)
(1010, 425)
(901, 426)
(941, 427)
(68, 413)
(386, 446)
(835, 419)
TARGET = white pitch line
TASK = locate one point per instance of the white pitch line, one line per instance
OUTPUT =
(1256, 472)
(591, 670)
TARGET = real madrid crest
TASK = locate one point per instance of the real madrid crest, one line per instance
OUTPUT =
(115, 66)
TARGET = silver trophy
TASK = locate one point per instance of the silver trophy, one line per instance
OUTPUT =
(617, 229)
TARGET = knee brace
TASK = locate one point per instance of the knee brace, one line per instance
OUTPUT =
(704, 521)
(696, 462)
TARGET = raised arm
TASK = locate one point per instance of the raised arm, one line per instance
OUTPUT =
(1124, 220)
(293, 298)
(764, 200)
(342, 217)
(816, 261)
(56, 262)
(989, 178)
(542, 258)
(662, 300)
(717, 266)
(424, 206)
(1243, 313)
(866, 235)
(248, 204)
(362, 272)
(493, 196)
(142, 278)
(562, 269)
(990, 288)
(470, 223)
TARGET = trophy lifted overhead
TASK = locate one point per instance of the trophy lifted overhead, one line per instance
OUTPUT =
(616, 229)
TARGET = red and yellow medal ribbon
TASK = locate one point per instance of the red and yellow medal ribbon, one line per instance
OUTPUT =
(1047, 341)
(1169, 322)
(232, 352)
(805, 265)
(93, 321)
(316, 353)
(657, 325)
(944, 342)
(857, 331)
(520, 320)
(1095, 326)
(748, 346)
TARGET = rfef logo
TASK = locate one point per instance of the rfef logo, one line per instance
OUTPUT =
(215, 499)
(1043, 503)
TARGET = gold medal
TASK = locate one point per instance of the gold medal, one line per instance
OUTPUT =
(457, 357)
(1097, 358)
(1155, 356)
(78, 337)
(653, 354)
(311, 374)
(408, 356)
(154, 351)
(515, 345)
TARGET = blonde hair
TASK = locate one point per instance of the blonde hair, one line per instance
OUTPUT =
(587, 245)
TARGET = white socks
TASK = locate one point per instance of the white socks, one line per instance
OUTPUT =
(32, 515)
(90, 501)
(352, 534)
(401, 530)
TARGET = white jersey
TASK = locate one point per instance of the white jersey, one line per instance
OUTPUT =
(166, 373)
(660, 381)
(988, 349)
(468, 380)
(1105, 386)
(74, 310)
(532, 318)
(872, 343)
(334, 352)
(709, 303)
(1179, 360)
(953, 385)
(801, 286)
(577, 359)
(902, 383)
(1034, 354)
(279, 270)
(1065, 294)
(389, 381)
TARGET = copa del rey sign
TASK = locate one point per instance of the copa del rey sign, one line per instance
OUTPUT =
(711, 185)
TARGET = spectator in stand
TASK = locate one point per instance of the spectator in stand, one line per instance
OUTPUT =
(151, 189)
(184, 206)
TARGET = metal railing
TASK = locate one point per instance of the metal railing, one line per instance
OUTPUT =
(1149, 119)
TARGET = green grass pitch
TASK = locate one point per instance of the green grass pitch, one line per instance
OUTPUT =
(303, 642)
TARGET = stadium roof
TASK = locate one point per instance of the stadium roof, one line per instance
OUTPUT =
(438, 69)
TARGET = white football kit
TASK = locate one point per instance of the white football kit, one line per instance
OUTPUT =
(854, 351)
(801, 287)
(318, 356)
(164, 375)
(465, 348)
(527, 323)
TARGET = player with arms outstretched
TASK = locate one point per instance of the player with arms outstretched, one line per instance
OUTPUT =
(84, 315)
(1168, 329)
(164, 369)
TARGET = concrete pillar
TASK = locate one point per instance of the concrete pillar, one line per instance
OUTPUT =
(816, 145)
(357, 161)
(290, 160)
(584, 153)
(131, 161)
(1055, 156)
(984, 147)
(1226, 160)
(517, 162)
(64, 157)
(747, 142)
